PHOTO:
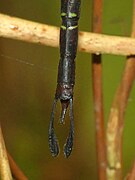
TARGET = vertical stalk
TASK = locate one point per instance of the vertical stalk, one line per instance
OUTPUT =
(5, 173)
(8, 167)
(97, 94)
(116, 117)
(16, 171)
(131, 175)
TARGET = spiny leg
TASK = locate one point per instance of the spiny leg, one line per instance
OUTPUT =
(69, 142)
(53, 142)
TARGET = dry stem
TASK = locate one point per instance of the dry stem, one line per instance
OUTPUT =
(116, 118)
(16, 28)
(131, 175)
(97, 94)
(16, 172)
(7, 163)
(5, 173)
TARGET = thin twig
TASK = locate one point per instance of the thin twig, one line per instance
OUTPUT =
(116, 118)
(131, 175)
(7, 164)
(16, 172)
(5, 173)
(97, 94)
(16, 28)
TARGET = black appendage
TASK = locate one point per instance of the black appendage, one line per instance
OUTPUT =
(53, 143)
(69, 142)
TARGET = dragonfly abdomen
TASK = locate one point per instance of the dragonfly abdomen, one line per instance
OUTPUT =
(70, 12)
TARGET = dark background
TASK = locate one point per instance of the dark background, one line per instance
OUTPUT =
(27, 92)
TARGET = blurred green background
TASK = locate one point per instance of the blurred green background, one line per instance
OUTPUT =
(27, 92)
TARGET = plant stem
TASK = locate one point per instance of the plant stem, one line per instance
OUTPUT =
(97, 94)
(131, 175)
(16, 172)
(16, 28)
(5, 173)
(7, 164)
(116, 117)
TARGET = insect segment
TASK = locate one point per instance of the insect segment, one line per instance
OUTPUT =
(70, 12)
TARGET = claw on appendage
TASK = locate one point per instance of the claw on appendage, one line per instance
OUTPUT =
(53, 142)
